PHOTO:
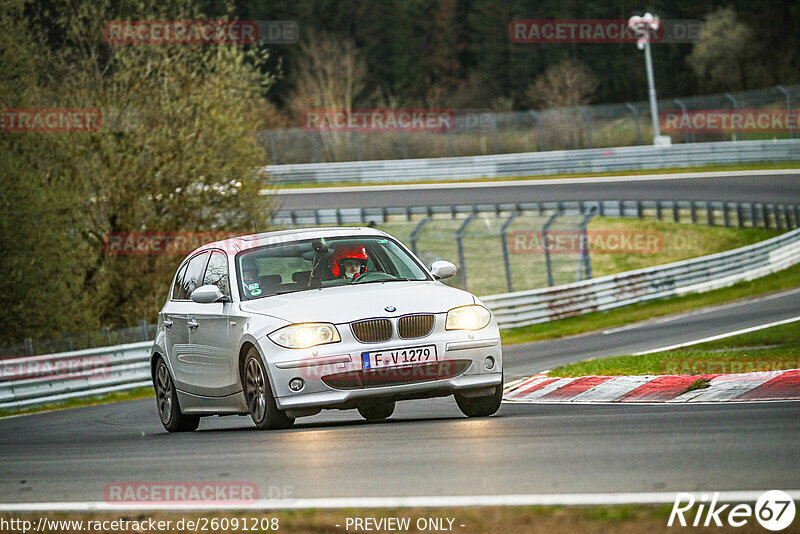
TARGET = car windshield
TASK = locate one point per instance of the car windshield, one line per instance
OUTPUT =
(324, 262)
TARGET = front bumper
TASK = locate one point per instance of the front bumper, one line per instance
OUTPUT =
(333, 376)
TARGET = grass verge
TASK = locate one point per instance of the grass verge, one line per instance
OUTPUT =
(786, 279)
(769, 349)
(671, 170)
(117, 396)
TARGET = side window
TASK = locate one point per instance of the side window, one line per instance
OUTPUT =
(193, 276)
(217, 272)
(176, 288)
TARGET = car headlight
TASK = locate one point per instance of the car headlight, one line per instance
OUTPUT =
(472, 317)
(305, 335)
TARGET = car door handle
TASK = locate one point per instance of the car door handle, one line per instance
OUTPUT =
(191, 323)
(167, 323)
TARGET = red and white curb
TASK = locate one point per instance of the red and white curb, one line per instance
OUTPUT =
(758, 386)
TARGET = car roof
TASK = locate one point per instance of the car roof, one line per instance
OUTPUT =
(234, 245)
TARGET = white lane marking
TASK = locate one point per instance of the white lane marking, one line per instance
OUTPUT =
(521, 183)
(728, 387)
(613, 389)
(702, 311)
(719, 336)
(541, 499)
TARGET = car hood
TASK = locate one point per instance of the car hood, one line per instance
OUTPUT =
(349, 303)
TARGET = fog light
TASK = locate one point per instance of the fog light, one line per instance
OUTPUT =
(488, 363)
(296, 384)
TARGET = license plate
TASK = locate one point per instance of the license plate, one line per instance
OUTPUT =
(398, 357)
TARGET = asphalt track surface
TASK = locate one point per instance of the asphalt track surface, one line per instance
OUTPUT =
(779, 187)
(428, 448)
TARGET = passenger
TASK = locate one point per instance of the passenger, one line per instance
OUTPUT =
(249, 273)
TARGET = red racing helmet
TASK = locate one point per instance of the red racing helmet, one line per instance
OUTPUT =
(350, 252)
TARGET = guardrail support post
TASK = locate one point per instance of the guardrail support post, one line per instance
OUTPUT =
(676, 213)
(29, 346)
(709, 213)
(658, 210)
(725, 215)
(693, 210)
(545, 228)
(504, 244)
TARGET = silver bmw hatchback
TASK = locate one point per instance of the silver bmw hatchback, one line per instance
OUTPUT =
(281, 325)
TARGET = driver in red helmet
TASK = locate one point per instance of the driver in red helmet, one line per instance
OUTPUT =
(349, 261)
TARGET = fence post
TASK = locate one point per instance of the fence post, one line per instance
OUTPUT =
(585, 260)
(788, 96)
(415, 234)
(545, 228)
(29, 346)
(273, 148)
(359, 146)
(143, 330)
(504, 243)
(735, 104)
(689, 136)
(635, 113)
(460, 242)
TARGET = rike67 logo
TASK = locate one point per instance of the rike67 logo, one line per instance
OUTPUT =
(774, 510)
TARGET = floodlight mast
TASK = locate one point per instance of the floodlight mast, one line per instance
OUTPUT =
(642, 27)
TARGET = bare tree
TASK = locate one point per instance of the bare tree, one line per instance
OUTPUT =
(564, 85)
(561, 91)
(724, 53)
(330, 73)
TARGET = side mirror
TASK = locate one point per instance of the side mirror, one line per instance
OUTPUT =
(441, 269)
(208, 295)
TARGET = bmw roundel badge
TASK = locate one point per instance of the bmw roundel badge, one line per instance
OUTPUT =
(390, 308)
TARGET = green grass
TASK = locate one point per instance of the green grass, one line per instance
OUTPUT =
(671, 170)
(769, 349)
(133, 394)
(590, 322)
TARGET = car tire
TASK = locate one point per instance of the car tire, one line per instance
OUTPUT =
(377, 411)
(258, 394)
(480, 406)
(169, 409)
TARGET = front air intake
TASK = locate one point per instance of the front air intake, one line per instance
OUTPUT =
(372, 330)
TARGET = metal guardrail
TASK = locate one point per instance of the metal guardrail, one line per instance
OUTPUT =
(39, 380)
(535, 163)
(606, 292)
(712, 213)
